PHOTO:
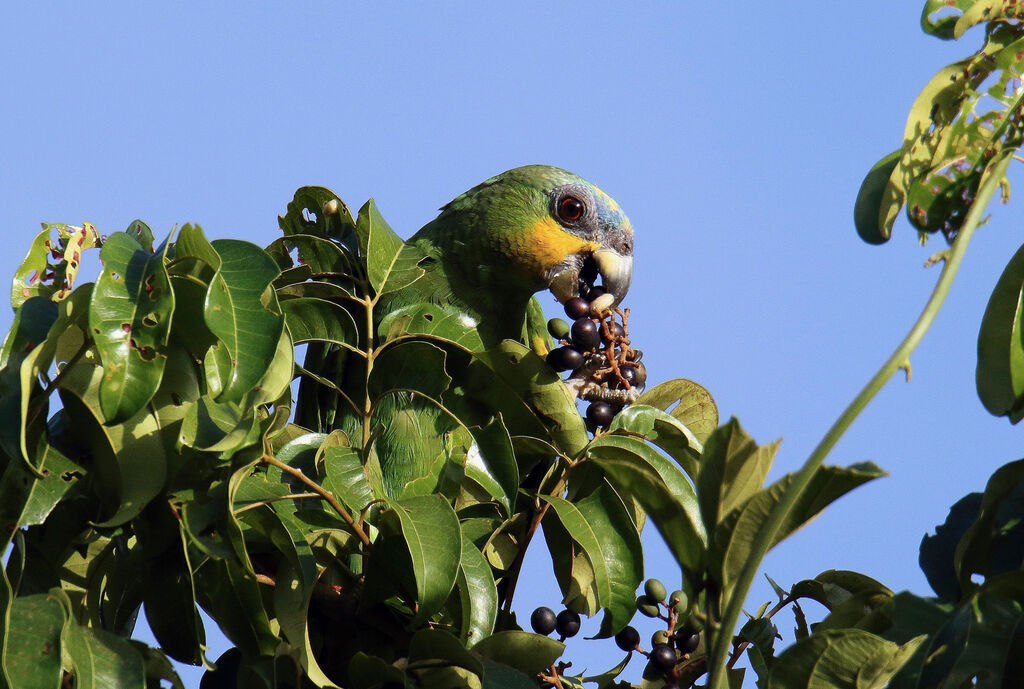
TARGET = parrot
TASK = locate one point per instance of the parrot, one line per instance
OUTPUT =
(485, 257)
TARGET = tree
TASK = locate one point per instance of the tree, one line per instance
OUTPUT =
(175, 468)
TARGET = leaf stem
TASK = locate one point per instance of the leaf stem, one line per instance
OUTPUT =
(723, 638)
(270, 459)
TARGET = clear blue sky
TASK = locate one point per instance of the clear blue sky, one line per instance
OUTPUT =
(735, 135)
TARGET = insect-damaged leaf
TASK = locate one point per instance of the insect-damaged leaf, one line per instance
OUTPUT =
(130, 319)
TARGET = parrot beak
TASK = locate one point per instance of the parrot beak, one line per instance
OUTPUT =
(614, 268)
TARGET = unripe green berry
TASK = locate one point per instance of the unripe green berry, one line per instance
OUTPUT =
(659, 637)
(678, 601)
(558, 328)
(646, 608)
(654, 591)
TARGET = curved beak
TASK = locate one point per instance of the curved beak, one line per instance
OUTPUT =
(579, 270)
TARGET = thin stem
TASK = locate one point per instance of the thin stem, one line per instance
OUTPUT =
(370, 342)
(267, 501)
(899, 359)
(319, 490)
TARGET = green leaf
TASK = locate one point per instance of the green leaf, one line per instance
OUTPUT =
(732, 468)
(576, 525)
(636, 469)
(429, 645)
(366, 671)
(620, 544)
(50, 268)
(292, 596)
(432, 535)
(101, 660)
(838, 659)
(224, 427)
(526, 652)
(834, 587)
(346, 477)
(530, 377)
(867, 208)
(734, 537)
(983, 11)
(937, 20)
(662, 429)
(31, 658)
(694, 406)
(440, 320)
(477, 593)
(129, 460)
(936, 555)
(492, 461)
(993, 544)
(319, 320)
(1000, 372)
(319, 212)
(130, 318)
(242, 311)
(232, 597)
(379, 243)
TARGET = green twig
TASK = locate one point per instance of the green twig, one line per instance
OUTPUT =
(723, 637)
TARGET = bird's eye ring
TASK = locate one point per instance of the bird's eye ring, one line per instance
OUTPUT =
(570, 209)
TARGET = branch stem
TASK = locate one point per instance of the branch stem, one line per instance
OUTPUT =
(900, 357)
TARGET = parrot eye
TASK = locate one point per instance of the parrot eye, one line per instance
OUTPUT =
(570, 209)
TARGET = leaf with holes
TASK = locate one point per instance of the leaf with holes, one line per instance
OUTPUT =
(130, 319)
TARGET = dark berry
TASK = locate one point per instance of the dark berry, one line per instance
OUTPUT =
(568, 623)
(627, 639)
(577, 307)
(628, 372)
(687, 640)
(558, 328)
(543, 620)
(663, 657)
(596, 292)
(600, 413)
(616, 330)
(585, 334)
(654, 591)
(565, 359)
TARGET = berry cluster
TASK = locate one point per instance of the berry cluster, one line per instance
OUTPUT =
(566, 623)
(606, 371)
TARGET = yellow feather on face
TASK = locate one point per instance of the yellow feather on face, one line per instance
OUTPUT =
(546, 244)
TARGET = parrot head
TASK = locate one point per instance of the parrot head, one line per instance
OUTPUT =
(543, 227)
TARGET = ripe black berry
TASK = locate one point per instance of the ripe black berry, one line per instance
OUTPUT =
(565, 359)
(663, 657)
(595, 292)
(577, 307)
(687, 640)
(600, 413)
(585, 334)
(543, 620)
(627, 639)
(568, 623)
(617, 331)
(628, 372)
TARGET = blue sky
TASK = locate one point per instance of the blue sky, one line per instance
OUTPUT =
(734, 135)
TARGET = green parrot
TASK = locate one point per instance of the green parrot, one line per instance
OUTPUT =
(484, 258)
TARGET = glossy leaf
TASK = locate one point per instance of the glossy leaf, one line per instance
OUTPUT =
(526, 652)
(994, 543)
(431, 645)
(840, 659)
(379, 243)
(232, 597)
(662, 429)
(582, 532)
(638, 470)
(477, 593)
(32, 652)
(936, 555)
(317, 211)
(1000, 372)
(130, 318)
(869, 200)
(319, 320)
(492, 458)
(687, 401)
(439, 320)
(432, 535)
(242, 311)
(734, 537)
(101, 660)
(218, 426)
(345, 476)
(732, 468)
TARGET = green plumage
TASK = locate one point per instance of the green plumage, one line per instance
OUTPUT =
(481, 261)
